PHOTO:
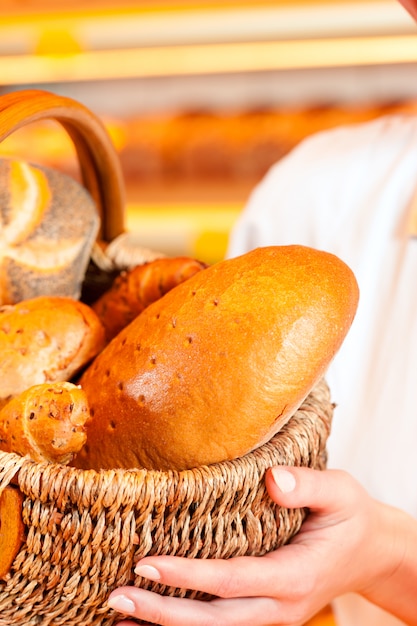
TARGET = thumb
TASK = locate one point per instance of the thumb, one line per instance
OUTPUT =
(322, 491)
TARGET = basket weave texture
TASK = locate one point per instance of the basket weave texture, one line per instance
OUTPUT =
(85, 530)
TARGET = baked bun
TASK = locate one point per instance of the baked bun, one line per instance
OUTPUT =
(45, 422)
(135, 289)
(43, 340)
(48, 225)
(12, 532)
(220, 363)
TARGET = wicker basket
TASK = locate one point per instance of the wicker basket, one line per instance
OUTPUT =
(85, 530)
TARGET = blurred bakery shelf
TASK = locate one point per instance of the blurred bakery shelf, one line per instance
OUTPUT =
(202, 59)
(196, 229)
(131, 57)
(143, 42)
(189, 175)
(109, 25)
(202, 97)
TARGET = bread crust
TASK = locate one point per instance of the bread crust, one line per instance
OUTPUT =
(219, 364)
(12, 528)
(43, 251)
(43, 340)
(46, 422)
(135, 289)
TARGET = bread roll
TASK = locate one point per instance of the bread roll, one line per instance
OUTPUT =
(45, 422)
(44, 340)
(219, 364)
(12, 528)
(48, 225)
(135, 289)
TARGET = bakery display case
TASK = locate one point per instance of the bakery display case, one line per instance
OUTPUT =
(201, 99)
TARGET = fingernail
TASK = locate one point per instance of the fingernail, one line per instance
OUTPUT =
(284, 480)
(121, 603)
(147, 571)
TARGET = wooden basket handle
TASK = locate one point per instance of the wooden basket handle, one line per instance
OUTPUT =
(100, 167)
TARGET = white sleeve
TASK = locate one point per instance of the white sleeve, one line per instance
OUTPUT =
(327, 186)
(284, 208)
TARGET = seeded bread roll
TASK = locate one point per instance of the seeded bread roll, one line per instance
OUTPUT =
(48, 225)
(43, 340)
(45, 422)
(220, 363)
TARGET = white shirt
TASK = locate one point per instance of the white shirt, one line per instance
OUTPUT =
(349, 191)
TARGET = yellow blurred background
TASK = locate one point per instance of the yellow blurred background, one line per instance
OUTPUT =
(201, 98)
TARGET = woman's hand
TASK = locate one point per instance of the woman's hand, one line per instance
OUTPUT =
(349, 542)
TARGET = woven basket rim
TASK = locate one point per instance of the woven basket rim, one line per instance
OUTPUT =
(13, 464)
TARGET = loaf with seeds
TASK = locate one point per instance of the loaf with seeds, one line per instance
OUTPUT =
(48, 226)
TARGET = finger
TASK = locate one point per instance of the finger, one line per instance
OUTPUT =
(276, 574)
(270, 575)
(170, 611)
(327, 492)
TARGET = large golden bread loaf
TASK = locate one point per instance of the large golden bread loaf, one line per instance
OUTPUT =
(220, 363)
(48, 225)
